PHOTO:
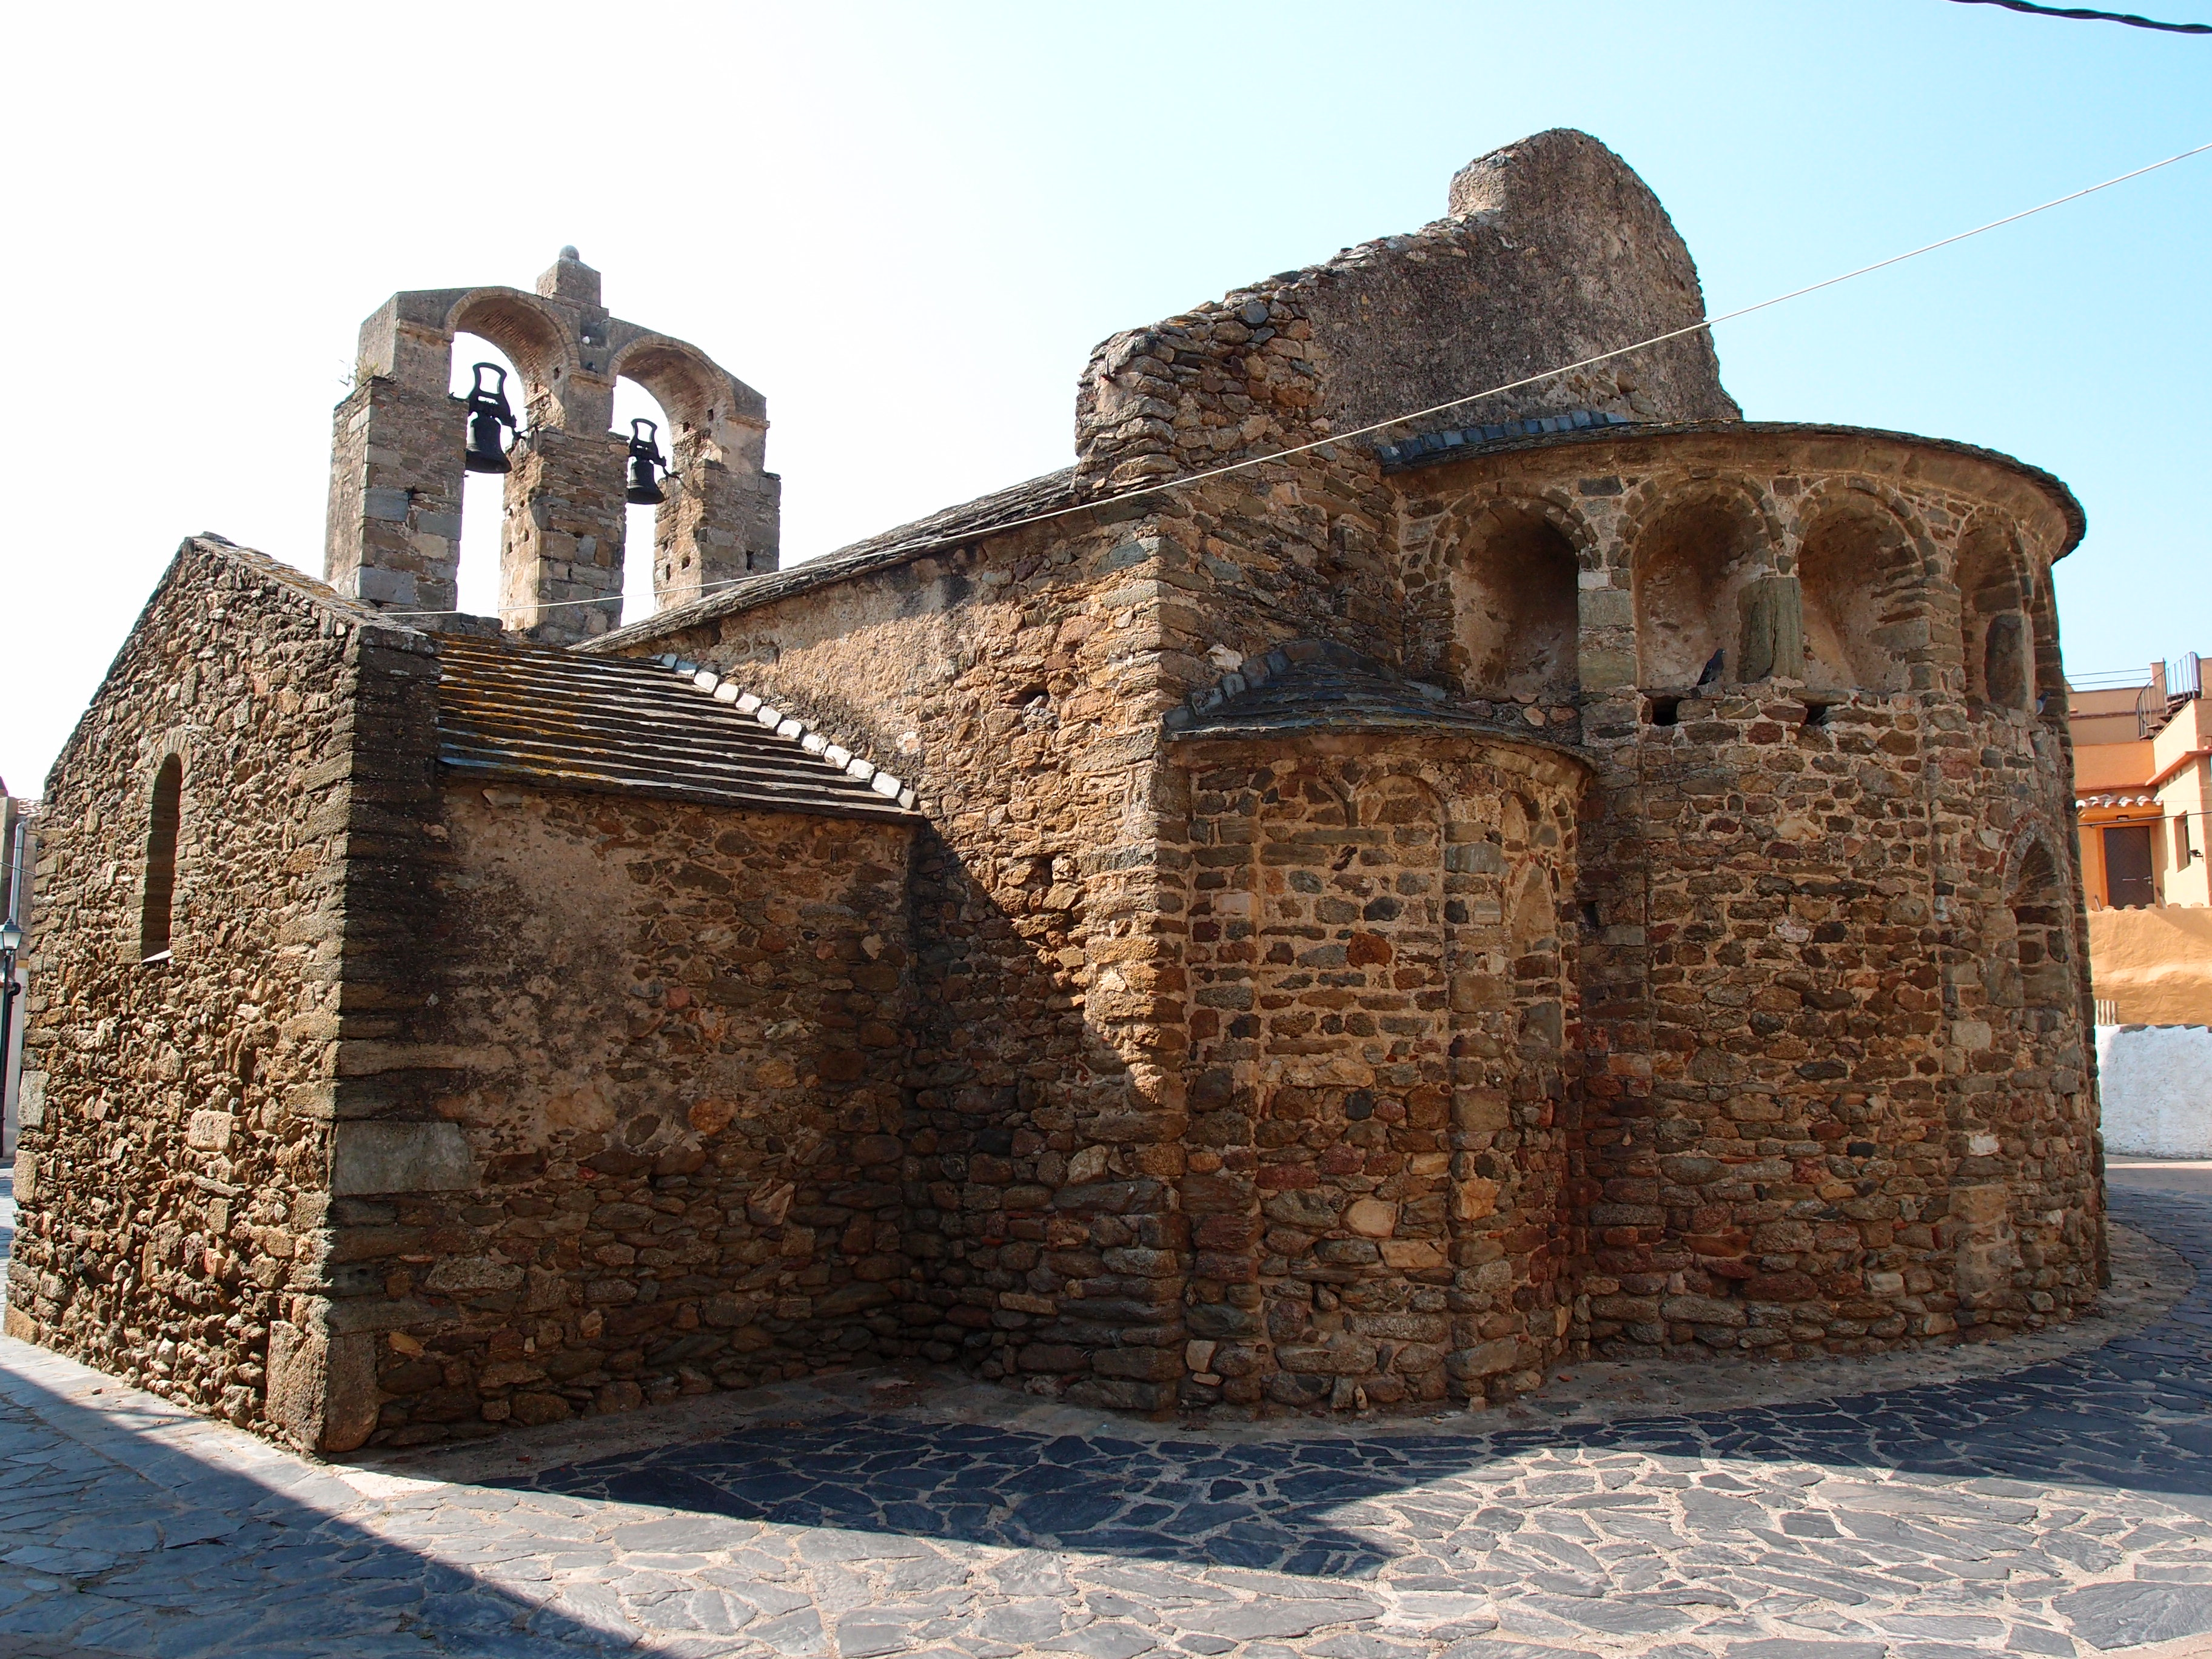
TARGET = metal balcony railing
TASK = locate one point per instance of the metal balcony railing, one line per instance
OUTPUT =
(2155, 704)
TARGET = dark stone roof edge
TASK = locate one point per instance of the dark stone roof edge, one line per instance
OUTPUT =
(466, 773)
(799, 733)
(2049, 483)
(963, 525)
(1427, 449)
(1209, 713)
(1467, 730)
(294, 580)
(1272, 664)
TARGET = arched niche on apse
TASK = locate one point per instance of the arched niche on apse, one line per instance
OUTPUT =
(1515, 609)
(1859, 575)
(2030, 966)
(1691, 559)
(2048, 670)
(1997, 634)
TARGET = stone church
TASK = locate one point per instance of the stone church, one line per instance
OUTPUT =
(1283, 915)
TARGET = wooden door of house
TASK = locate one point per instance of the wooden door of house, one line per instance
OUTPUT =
(2127, 867)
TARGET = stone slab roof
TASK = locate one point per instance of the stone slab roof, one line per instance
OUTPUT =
(512, 712)
(969, 521)
(1310, 687)
(1437, 448)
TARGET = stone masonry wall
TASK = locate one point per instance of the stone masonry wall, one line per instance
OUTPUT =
(674, 1038)
(168, 1193)
(1013, 683)
(562, 535)
(1745, 961)
(1791, 1061)
(394, 521)
(1381, 1000)
(1554, 251)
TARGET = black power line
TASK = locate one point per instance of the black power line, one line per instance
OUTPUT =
(2082, 15)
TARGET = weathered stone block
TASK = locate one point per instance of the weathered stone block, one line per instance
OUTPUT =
(1771, 626)
(370, 1156)
(322, 1387)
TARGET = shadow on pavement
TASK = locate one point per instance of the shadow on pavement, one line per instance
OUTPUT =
(115, 1539)
(2135, 1415)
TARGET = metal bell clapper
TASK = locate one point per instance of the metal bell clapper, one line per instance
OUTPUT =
(488, 412)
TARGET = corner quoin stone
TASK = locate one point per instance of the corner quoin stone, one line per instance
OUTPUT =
(371, 1158)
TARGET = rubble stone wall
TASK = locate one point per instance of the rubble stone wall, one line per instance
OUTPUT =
(1784, 1130)
(1014, 685)
(1834, 1093)
(1381, 999)
(1406, 322)
(168, 1193)
(676, 1039)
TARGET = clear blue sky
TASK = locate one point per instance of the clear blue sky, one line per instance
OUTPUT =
(907, 225)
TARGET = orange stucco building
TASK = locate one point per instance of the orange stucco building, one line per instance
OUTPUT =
(2143, 781)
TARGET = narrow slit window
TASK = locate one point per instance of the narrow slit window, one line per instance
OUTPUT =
(161, 862)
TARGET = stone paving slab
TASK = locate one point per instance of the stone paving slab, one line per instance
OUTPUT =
(2050, 1497)
(2172, 1174)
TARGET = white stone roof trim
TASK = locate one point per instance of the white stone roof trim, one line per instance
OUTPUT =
(790, 726)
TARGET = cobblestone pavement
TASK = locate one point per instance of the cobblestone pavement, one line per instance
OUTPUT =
(2174, 1175)
(2053, 1501)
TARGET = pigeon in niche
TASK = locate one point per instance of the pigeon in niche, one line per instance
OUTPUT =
(1712, 673)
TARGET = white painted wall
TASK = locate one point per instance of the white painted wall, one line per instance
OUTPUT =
(2156, 1084)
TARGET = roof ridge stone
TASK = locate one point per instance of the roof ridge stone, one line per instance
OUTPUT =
(1261, 670)
(790, 727)
(1325, 674)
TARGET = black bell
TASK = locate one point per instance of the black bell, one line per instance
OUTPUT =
(488, 413)
(645, 462)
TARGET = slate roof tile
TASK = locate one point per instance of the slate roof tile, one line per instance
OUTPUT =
(514, 711)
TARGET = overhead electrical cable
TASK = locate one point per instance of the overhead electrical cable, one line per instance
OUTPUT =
(1702, 325)
(2082, 15)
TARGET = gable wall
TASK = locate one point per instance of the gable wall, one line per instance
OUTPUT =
(169, 1196)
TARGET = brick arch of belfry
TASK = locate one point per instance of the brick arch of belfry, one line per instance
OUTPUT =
(393, 534)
